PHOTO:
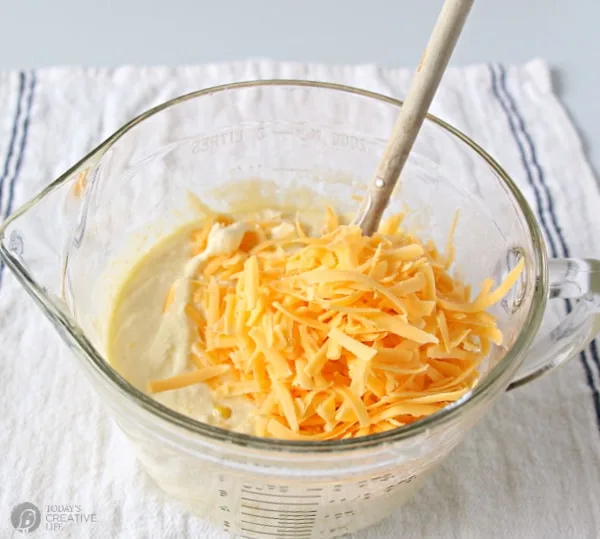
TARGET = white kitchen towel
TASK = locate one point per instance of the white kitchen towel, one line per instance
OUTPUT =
(530, 469)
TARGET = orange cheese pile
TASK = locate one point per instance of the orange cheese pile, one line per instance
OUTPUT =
(339, 335)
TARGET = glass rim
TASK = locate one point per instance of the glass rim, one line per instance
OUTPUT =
(500, 372)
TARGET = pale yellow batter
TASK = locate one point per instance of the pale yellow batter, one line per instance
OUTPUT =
(146, 343)
(303, 338)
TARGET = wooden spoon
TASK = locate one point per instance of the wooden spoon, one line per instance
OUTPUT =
(412, 113)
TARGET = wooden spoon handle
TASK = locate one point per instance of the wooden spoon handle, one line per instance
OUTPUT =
(413, 111)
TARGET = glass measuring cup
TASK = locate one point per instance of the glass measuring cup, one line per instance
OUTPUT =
(305, 145)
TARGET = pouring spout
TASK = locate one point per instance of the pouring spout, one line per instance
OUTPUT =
(34, 240)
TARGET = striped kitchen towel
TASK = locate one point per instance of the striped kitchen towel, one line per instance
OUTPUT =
(530, 468)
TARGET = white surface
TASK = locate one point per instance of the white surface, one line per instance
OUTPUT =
(391, 33)
(529, 469)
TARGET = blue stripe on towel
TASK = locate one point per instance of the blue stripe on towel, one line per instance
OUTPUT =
(11, 193)
(565, 249)
(517, 125)
(21, 151)
(13, 134)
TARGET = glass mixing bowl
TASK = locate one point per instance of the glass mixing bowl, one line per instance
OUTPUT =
(299, 144)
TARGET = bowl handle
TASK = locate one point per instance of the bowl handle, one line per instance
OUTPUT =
(569, 279)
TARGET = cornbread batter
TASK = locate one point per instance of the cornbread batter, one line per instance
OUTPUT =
(256, 326)
(146, 343)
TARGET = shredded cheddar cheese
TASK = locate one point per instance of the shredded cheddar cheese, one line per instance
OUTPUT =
(337, 335)
(79, 185)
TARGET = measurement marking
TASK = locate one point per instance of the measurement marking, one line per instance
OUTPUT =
(297, 504)
(300, 519)
(310, 497)
(279, 527)
(279, 535)
(306, 512)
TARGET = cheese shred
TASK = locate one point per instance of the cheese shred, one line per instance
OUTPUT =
(338, 335)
